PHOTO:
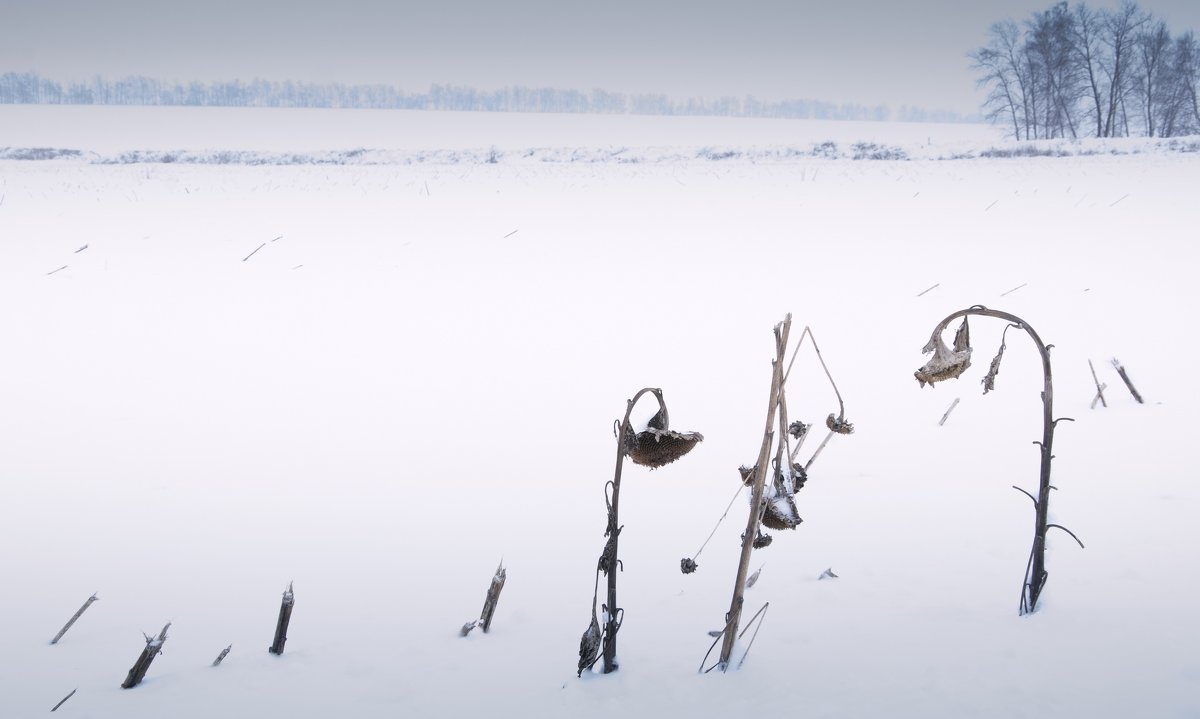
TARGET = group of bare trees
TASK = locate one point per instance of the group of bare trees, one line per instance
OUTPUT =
(32, 88)
(1077, 71)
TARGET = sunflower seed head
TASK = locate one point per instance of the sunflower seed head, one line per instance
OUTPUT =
(945, 363)
(762, 540)
(781, 513)
(687, 565)
(799, 477)
(655, 448)
(839, 425)
(747, 474)
(798, 429)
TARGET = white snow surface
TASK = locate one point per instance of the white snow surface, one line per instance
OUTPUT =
(418, 372)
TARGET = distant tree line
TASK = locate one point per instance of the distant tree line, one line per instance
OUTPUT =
(31, 88)
(1076, 71)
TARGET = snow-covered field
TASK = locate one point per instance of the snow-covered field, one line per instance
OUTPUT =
(416, 372)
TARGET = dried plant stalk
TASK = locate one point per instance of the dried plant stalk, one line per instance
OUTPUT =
(653, 447)
(138, 671)
(946, 364)
(73, 619)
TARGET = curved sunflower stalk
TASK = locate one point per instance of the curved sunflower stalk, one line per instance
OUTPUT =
(653, 447)
(949, 363)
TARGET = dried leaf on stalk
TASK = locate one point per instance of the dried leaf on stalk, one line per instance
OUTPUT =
(589, 645)
(989, 379)
(962, 337)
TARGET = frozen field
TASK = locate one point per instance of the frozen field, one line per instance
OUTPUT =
(416, 373)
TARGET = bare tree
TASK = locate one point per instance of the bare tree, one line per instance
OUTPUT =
(1002, 71)
(1177, 89)
(1153, 45)
(1049, 45)
(1190, 62)
(1119, 31)
(1088, 50)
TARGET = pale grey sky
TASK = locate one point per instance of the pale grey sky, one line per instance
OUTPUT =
(864, 51)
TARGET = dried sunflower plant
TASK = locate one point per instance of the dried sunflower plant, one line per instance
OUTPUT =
(652, 447)
(773, 481)
(949, 363)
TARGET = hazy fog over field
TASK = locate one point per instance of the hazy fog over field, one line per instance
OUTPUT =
(866, 52)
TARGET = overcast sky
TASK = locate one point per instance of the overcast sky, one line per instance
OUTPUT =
(865, 51)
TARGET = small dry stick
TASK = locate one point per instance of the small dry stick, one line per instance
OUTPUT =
(60, 269)
(1125, 379)
(931, 288)
(950, 409)
(285, 616)
(221, 657)
(81, 249)
(1014, 289)
(493, 597)
(1099, 387)
(1118, 200)
(509, 235)
(276, 239)
(71, 621)
(990, 206)
(256, 249)
(808, 465)
(64, 699)
(1096, 399)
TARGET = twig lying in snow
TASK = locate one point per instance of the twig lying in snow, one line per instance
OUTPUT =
(64, 699)
(990, 206)
(221, 657)
(827, 574)
(1121, 198)
(1023, 284)
(274, 239)
(1099, 387)
(1125, 378)
(949, 409)
(509, 235)
(60, 269)
(81, 249)
(256, 249)
(71, 621)
(931, 288)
